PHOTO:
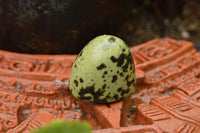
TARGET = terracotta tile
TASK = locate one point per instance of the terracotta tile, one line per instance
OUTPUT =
(34, 91)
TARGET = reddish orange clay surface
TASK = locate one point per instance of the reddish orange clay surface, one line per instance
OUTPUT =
(34, 91)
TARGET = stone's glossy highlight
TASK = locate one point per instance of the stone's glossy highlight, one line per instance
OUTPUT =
(104, 71)
(34, 91)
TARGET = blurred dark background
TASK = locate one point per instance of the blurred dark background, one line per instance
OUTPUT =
(65, 26)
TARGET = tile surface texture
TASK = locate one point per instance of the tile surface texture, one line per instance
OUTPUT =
(34, 91)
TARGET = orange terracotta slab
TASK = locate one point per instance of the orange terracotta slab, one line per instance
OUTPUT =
(108, 115)
(34, 91)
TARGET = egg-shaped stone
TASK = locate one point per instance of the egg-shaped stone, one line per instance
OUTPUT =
(104, 71)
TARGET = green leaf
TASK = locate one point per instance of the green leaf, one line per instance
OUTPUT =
(61, 126)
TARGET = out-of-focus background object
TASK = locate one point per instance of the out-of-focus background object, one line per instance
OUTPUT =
(65, 26)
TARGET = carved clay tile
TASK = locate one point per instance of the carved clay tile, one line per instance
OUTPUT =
(34, 91)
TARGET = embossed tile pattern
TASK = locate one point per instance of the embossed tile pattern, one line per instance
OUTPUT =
(34, 91)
